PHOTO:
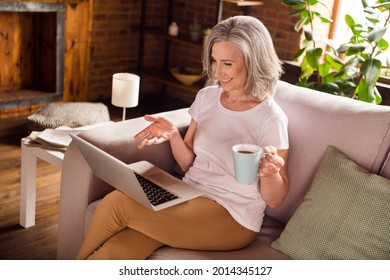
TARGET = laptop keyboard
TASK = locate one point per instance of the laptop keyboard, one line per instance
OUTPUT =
(155, 193)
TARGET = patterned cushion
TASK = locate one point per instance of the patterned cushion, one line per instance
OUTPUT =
(73, 114)
(345, 215)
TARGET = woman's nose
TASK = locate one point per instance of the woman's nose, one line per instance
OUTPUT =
(217, 70)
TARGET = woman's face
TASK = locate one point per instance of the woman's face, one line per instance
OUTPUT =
(228, 67)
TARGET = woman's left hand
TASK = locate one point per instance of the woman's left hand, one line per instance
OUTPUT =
(159, 131)
(271, 163)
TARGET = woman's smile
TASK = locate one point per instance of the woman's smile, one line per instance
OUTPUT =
(228, 67)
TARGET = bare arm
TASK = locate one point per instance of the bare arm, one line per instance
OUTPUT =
(273, 176)
(161, 130)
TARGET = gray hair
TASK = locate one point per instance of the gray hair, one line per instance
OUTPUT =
(254, 41)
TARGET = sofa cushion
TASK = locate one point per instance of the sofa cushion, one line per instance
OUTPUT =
(317, 120)
(259, 249)
(345, 215)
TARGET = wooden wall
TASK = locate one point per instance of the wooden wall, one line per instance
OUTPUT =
(78, 27)
(28, 45)
(18, 67)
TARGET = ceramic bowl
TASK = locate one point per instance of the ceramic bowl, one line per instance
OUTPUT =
(187, 75)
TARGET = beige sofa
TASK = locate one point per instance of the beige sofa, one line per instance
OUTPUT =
(317, 120)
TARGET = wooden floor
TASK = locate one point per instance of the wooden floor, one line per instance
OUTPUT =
(40, 241)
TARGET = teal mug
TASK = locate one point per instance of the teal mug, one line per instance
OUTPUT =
(246, 158)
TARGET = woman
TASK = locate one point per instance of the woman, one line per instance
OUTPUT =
(240, 57)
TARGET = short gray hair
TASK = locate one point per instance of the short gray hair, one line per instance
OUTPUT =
(254, 41)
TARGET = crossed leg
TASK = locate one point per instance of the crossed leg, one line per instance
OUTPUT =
(124, 229)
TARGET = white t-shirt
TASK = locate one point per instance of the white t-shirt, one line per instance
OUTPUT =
(217, 131)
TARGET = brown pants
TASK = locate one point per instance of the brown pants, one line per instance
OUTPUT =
(124, 229)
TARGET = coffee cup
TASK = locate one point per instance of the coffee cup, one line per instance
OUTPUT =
(246, 158)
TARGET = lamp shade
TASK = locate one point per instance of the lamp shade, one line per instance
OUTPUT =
(125, 90)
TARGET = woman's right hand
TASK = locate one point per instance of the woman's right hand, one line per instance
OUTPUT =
(159, 131)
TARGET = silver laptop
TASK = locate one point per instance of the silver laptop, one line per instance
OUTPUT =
(149, 185)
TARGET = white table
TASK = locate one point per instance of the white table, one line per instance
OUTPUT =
(30, 154)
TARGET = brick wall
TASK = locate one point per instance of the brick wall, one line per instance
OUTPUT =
(114, 46)
(115, 35)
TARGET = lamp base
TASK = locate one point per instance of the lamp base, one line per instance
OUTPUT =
(124, 114)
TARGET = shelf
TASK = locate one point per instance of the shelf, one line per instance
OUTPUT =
(244, 3)
(163, 34)
(165, 77)
(26, 97)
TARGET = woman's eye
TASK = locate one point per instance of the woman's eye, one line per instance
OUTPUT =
(228, 64)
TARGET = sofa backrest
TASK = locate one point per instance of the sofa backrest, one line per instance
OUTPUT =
(385, 172)
(316, 120)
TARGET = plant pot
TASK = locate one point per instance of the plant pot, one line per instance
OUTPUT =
(195, 36)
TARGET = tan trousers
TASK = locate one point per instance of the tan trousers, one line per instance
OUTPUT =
(124, 229)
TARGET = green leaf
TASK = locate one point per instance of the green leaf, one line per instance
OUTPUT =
(302, 83)
(362, 90)
(342, 73)
(383, 5)
(373, 20)
(370, 11)
(306, 69)
(332, 88)
(347, 87)
(378, 97)
(314, 56)
(366, 92)
(334, 61)
(295, 4)
(325, 19)
(376, 34)
(300, 23)
(329, 77)
(312, 2)
(298, 54)
(323, 69)
(354, 49)
(383, 45)
(357, 29)
(371, 69)
(309, 35)
(297, 12)
(349, 21)
(343, 48)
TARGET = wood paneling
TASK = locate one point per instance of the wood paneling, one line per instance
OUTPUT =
(27, 41)
(77, 50)
(27, 51)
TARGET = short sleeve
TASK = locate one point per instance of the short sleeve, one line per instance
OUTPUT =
(275, 132)
(195, 108)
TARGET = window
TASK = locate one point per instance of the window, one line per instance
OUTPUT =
(341, 32)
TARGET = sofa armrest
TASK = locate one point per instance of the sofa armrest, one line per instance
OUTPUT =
(79, 187)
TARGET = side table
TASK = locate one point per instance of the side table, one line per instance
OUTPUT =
(30, 154)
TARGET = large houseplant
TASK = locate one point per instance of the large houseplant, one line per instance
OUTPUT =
(352, 68)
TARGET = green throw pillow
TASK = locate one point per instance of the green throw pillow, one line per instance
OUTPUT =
(345, 215)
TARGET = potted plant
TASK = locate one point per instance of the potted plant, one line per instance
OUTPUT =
(352, 68)
(195, 30)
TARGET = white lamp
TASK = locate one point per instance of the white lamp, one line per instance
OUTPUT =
(125, 91)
